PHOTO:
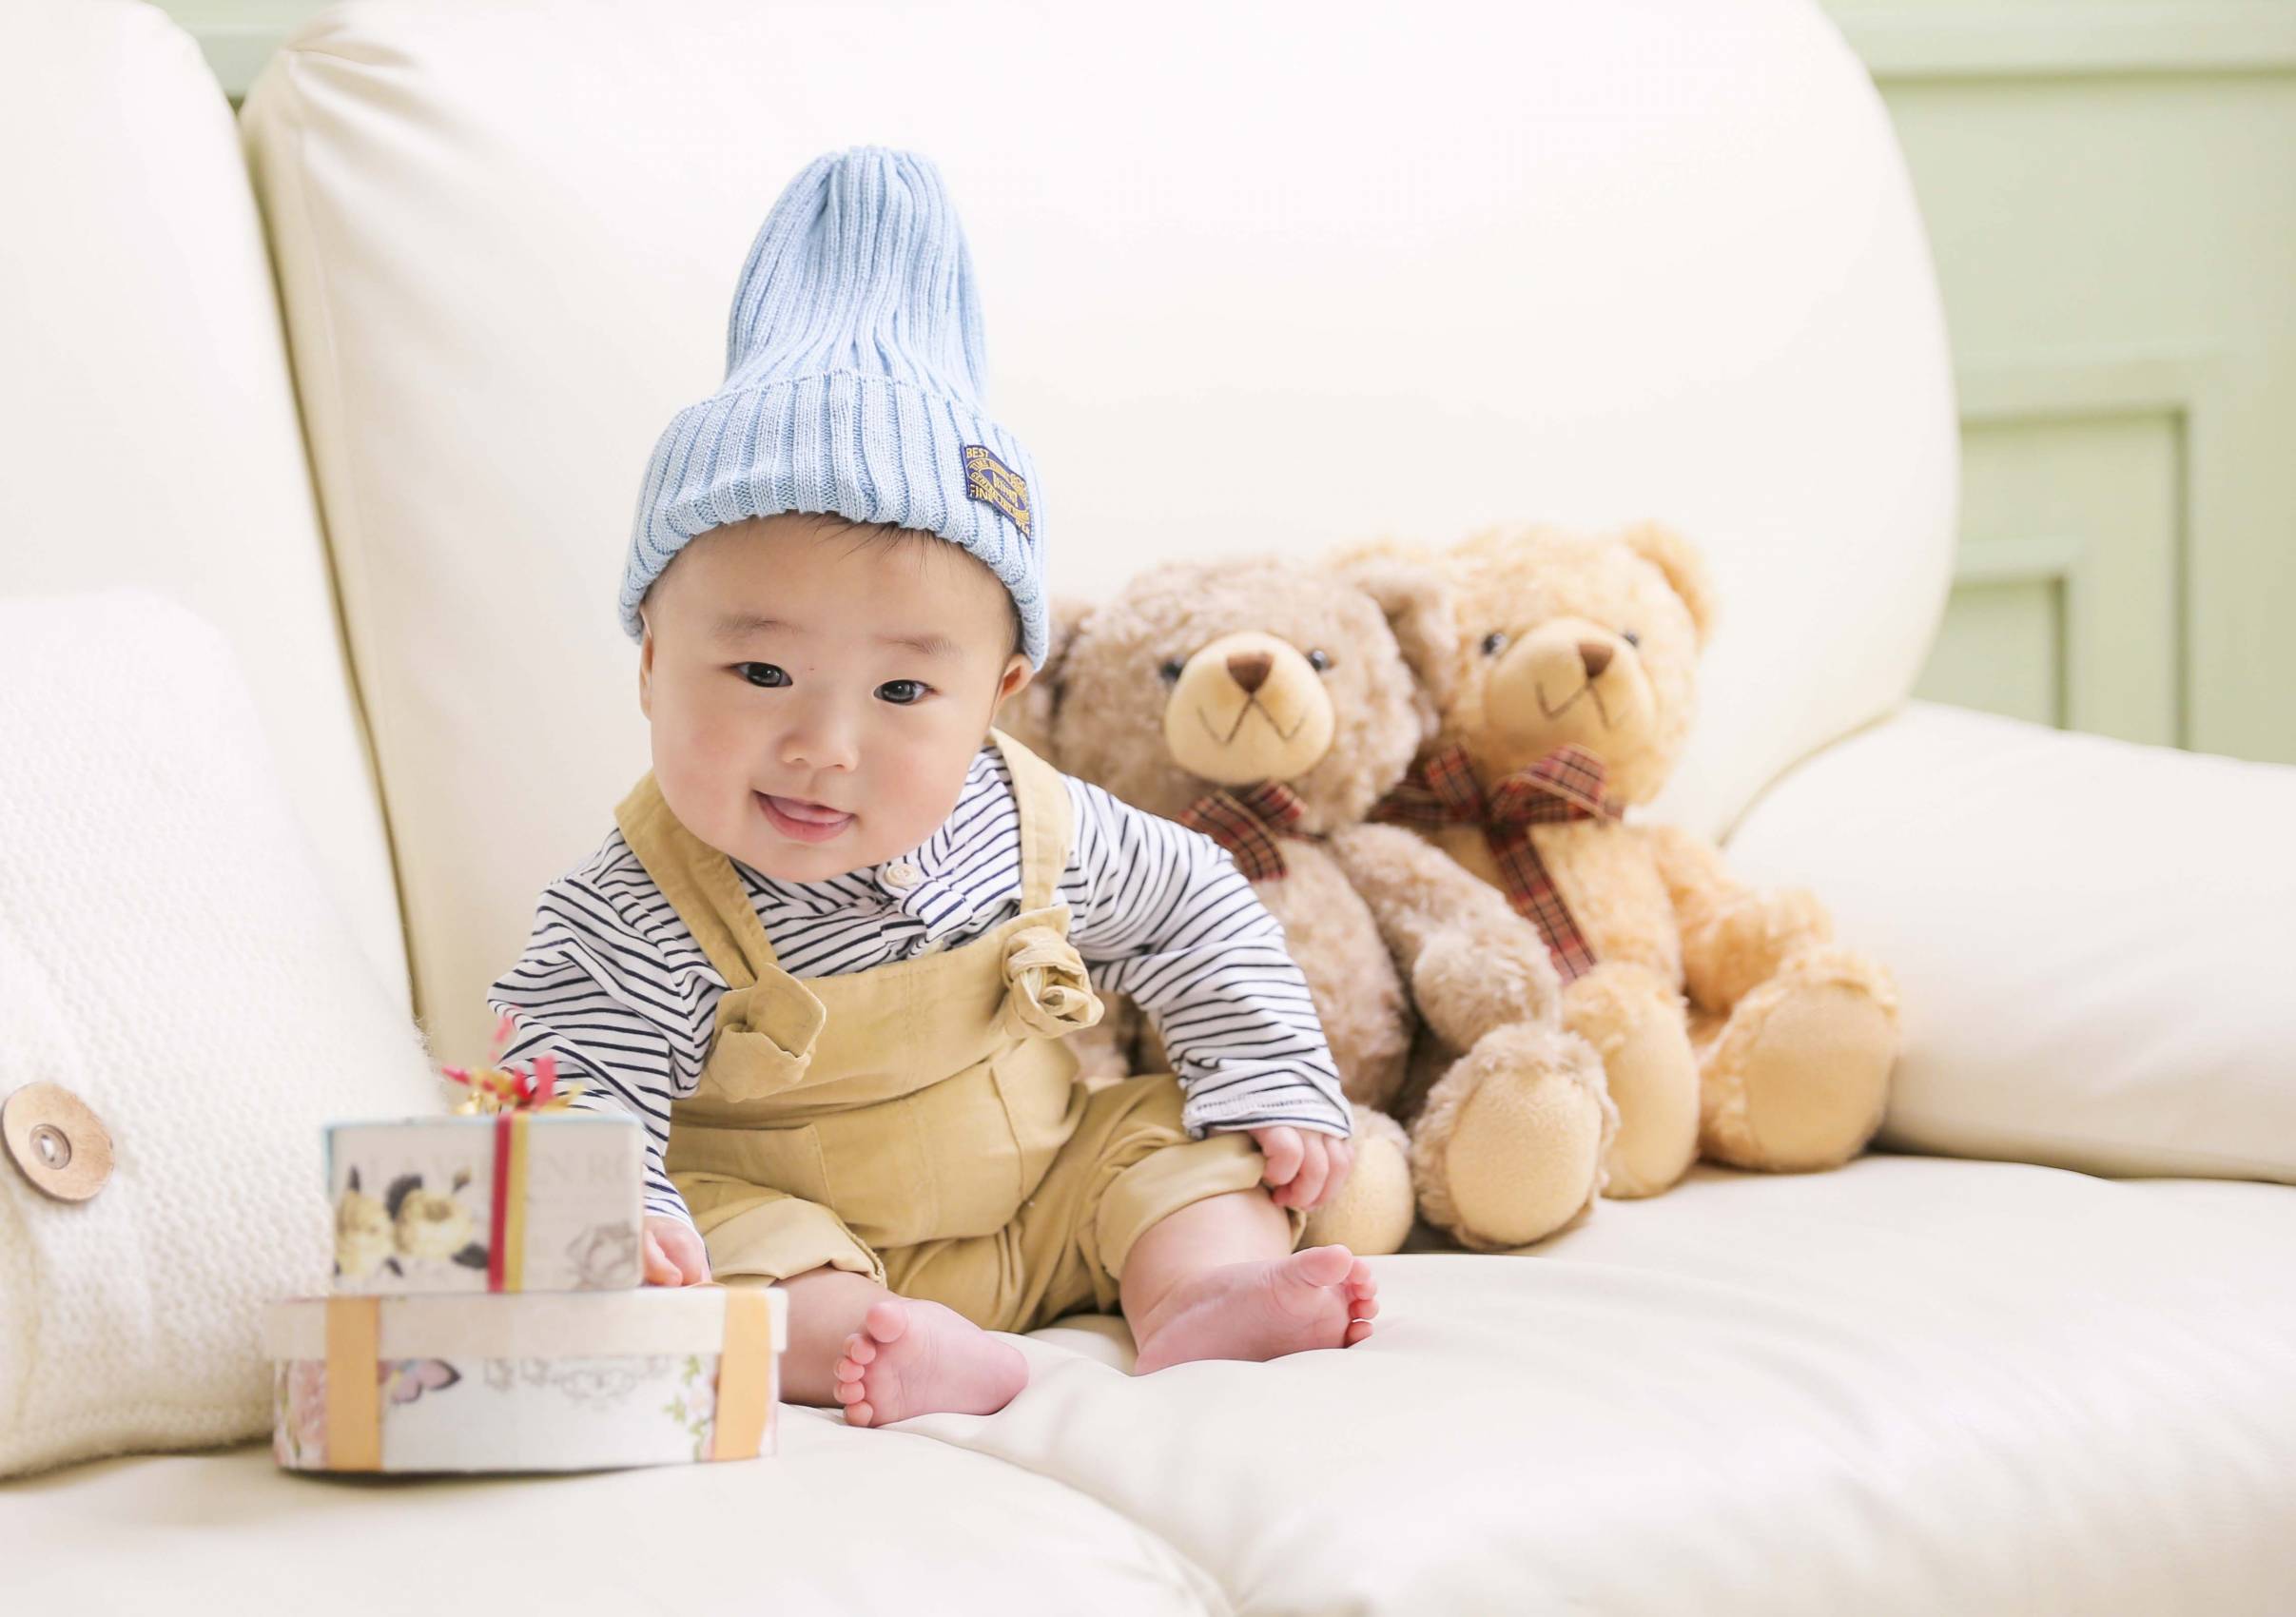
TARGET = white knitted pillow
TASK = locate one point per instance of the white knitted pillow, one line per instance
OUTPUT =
(168, 955)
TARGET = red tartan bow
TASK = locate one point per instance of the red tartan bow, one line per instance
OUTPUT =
(1567, 783)
(1247, 826)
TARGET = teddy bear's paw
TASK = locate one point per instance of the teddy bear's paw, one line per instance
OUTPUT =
(1372, 1215)
(1509, 1147)
(1634, 1021)
(1731, 950)
(1798, 1078)
(1466, 982)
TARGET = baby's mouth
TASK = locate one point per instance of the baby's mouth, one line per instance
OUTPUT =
(805, 822)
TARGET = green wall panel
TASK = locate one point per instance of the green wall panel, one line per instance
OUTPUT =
(2110, 191)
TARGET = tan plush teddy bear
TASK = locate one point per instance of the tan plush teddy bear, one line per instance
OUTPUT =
(1270, 706)
(1566, 696)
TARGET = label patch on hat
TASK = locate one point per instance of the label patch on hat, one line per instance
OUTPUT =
(990, 480)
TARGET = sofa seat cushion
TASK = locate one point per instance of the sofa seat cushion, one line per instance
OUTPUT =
(842, 1520)
(1911, 1386)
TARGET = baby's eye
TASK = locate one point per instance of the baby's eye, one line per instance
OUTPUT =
(1171, 670)
(1494, 642)
(1319, 660)
(771, 675)
(1631, 637)
(903, 692)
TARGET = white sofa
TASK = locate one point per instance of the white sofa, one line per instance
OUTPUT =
(1257, 278)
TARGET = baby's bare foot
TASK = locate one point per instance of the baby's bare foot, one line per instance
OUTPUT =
(1322, 1297)
(912, 1358)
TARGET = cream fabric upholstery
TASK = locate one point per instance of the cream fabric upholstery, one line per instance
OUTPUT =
(2093, 939)
(1402, 271)
(147, 416)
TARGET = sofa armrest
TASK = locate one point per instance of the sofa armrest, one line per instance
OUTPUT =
(2094, 940)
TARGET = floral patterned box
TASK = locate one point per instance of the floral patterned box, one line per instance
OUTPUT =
(545, 1382)
(509, 1201)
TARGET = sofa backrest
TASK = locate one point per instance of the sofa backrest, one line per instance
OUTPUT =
(148, 427)
(1257, 278)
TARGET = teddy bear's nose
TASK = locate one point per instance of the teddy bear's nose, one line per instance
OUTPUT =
(1249, 668)
(1596, 655)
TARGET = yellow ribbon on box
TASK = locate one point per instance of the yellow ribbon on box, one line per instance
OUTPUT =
(745, 1375)
(746, 1379)
(354, 1384)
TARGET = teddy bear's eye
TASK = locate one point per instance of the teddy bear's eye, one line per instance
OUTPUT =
(1631, 637)
(1319, 659)
(1171, 671)
(1494, 642)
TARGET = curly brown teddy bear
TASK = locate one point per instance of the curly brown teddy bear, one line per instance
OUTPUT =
(1270, 706)
(1565, 695)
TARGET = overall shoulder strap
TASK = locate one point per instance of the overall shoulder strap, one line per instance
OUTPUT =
(1047, 830)
(700, 883)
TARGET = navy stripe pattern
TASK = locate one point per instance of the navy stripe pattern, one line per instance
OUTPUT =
(614, 984)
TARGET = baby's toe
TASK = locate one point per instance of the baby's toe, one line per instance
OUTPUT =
(885, 1323)
(849, 1391)
(847, 1370)
(1357, 1331)
(1363, 1308)
(859, 1414)
(1323, 1265)
(859, 1349)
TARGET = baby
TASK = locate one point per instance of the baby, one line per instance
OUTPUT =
(830, 953)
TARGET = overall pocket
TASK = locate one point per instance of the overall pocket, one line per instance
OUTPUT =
(789, 1159)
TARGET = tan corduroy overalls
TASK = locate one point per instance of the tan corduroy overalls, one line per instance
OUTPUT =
(921, 1122)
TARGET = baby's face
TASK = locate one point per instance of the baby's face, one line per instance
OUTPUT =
(816, 700)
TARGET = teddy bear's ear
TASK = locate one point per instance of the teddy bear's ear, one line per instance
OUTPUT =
(1418, 606)
(1027, 717)
(1684, 570)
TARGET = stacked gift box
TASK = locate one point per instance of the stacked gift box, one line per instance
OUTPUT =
(488, 1311)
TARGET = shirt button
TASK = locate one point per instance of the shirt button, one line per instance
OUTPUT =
(901, 875)
(58, 1143)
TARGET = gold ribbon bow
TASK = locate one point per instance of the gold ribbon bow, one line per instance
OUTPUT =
(1048, 994)
(497, 1088)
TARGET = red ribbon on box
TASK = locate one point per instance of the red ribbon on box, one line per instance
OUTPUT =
(513, 1095)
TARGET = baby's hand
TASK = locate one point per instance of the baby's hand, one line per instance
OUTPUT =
(674, 1253)
(1306, 1168)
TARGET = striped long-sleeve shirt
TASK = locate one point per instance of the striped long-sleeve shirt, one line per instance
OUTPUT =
(614, 984)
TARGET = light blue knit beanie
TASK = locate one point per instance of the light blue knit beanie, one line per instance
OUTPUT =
(855, 375)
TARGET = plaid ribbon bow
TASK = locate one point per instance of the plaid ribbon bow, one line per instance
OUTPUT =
(1247, 826)
(1566, 785)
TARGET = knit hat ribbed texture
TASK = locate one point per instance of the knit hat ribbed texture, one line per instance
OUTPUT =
(855, 372)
